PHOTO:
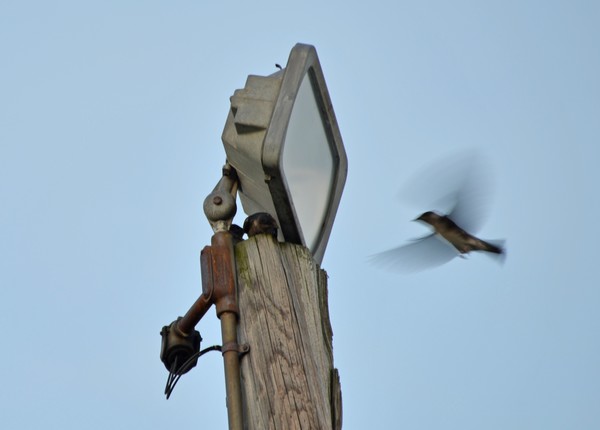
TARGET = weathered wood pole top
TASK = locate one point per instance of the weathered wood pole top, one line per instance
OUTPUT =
(288, 378)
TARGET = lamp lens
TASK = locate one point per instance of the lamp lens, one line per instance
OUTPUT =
(308, 164)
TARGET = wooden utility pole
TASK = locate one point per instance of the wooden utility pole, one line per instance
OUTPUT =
(288, 378)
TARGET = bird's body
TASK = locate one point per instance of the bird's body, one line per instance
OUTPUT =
(456, 236)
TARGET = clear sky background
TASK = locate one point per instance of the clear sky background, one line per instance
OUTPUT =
(111, 116)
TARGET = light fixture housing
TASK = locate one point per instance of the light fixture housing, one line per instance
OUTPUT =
(283, 139)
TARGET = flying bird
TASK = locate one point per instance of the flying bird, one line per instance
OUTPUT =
(456, 236)
(459, 185)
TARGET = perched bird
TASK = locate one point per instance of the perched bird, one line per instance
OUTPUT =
(458, 188)
(237, 233)
(260, 223)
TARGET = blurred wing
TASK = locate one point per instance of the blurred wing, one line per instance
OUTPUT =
(457, 186)
(473, 195)
(421, 254)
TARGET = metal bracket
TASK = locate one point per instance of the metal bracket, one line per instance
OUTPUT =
(242, 349)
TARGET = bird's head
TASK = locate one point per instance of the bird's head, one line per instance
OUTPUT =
(427, 217)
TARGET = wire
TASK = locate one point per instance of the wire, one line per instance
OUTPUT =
(175, 375)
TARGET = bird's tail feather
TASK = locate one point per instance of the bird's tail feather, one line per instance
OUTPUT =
(496, 249)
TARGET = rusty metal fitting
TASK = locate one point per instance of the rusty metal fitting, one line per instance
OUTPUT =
(223, 273)
(178, 347)
(234, 346)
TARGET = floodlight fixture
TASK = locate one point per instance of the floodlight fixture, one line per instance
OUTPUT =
(283, 140)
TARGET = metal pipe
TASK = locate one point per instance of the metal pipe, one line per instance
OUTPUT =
(193, 316)
(225, 298)
(188, 323)
(231, 362)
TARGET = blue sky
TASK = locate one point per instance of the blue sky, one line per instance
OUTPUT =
(110, 121)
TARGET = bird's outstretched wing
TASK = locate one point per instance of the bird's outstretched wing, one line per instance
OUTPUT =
(420, 254)
(458, 186)
(473, 195)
